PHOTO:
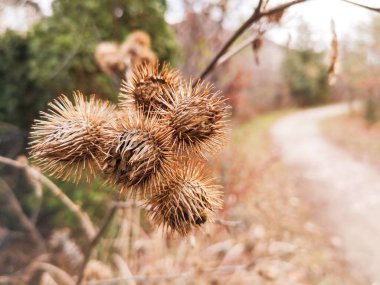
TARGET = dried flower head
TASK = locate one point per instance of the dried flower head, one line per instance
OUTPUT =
(65, 140)
(149, 89)
(139, 37)
(107, 57)
(136, 155)
(185, 202)
(197, 120)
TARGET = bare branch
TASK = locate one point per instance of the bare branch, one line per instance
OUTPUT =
(25, 221)
(373, 9)
(87, 224)
(256, 16)
(95, 241)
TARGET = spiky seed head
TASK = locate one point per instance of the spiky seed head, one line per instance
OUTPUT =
(197, 120)
(149, 90)
(65, 140)
(136, 155)
(185, 202)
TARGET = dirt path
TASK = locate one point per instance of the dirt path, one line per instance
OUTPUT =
(344, 192)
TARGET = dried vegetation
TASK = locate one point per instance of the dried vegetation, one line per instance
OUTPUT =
(148, 147)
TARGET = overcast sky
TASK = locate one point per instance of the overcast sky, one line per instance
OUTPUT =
(318, 13)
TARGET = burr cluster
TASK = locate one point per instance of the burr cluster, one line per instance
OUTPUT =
(153, 145)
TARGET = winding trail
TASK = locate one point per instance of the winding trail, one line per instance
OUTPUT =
(344, 192)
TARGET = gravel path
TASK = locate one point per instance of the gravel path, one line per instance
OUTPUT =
(344, 192)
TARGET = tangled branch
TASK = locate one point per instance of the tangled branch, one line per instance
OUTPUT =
(86, 223)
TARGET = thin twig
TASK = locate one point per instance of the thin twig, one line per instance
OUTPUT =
(373, 9)
(25, 221)
(95, 241)
(257, 15)
(39, 195)
(236, 50)
(87, 224)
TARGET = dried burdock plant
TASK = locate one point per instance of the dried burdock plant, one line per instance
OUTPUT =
(108, 58)
(150, 89)
(187, 201)
(147, 147)
(65, 140)
(137, 157)
(197, 120)
(120, 59)
(136, 50)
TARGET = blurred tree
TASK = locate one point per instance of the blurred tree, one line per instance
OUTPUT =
(361, 67)
(57, 54)
(305, 71)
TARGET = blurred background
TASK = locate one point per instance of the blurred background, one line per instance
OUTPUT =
(300, 171)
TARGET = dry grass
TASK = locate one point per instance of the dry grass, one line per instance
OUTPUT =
(352, 133)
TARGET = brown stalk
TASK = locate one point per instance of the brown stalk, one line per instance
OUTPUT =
(257, 15)
(94, 242)
(86, 223)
